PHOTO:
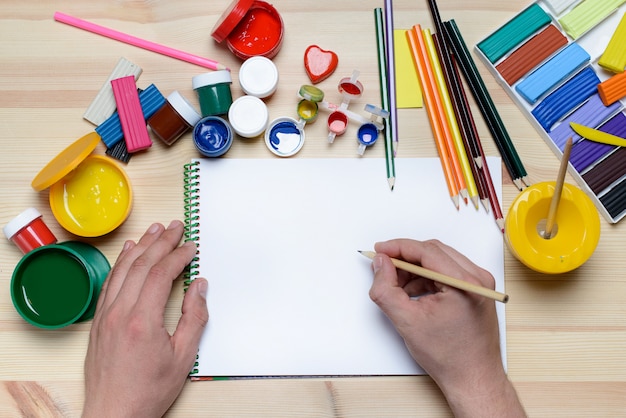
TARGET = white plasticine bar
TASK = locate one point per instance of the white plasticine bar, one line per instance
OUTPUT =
(559, 6)
(103, 105)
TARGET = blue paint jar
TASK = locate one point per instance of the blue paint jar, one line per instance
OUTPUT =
(212, 136)
(285, 136)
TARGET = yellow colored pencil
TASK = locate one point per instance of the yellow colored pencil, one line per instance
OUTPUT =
(462, 163)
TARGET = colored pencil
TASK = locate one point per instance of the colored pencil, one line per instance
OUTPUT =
(384, 95)
(433, 106)
(141, 43)
(391, 73)
(484, 174)
(449, 119)
(558, 189)
(443, 279)
(457, 118)
(487, 108)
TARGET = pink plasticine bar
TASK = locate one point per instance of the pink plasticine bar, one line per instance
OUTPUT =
(138, 42)
(130, 113)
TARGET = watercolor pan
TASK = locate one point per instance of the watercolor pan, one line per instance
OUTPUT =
(575, 97)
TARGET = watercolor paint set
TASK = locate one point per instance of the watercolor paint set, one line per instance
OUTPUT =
(562, 61)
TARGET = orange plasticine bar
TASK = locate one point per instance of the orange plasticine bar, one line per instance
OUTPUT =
(613, 89)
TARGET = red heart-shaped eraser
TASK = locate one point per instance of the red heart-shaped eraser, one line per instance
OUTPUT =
(319, 63)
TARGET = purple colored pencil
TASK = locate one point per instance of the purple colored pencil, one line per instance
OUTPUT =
(391, 72)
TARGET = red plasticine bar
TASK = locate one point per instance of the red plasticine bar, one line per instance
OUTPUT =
(531, 54)
(130, 113)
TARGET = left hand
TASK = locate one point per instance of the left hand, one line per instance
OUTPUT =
(134, 367)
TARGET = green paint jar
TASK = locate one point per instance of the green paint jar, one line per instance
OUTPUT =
(57, 285)
(213, 90)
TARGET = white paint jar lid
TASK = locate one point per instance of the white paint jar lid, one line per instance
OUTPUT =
(248, 116)
(258, 76)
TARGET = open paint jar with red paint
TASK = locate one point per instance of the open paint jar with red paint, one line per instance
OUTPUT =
(250, 28)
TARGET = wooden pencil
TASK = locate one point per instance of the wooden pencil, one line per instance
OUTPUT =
(433, 106)
(391, 73)
(558, 189)
(442, 278)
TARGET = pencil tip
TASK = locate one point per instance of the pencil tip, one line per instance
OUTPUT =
(475, 201)
(500, 223)
(392, 182)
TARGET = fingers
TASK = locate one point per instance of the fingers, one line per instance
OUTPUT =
(161, 275)
(434, 255)
(386, 291)
(186, 338)
(146, 259)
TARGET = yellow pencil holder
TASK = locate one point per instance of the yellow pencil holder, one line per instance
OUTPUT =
(575, 235)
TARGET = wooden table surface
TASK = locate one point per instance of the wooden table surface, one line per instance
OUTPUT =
(566, 334)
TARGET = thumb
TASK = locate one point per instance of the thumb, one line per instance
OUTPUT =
(385, 290)
(194, 318)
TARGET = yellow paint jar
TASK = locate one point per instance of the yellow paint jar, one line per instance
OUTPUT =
(90, 195)
(576, 234)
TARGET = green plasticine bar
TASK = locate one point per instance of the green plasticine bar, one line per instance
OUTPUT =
(514, 32)
(587, 15)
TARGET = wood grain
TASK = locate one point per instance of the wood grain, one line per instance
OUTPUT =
(566, 334)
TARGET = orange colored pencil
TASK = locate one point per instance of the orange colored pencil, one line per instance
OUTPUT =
(433, 107)
(458, 157)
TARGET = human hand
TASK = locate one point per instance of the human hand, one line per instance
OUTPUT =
(452, 334)
(133, 366)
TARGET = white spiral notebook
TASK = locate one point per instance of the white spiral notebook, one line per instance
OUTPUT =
(278, 242)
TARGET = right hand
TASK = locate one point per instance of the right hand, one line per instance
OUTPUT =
(451, 334)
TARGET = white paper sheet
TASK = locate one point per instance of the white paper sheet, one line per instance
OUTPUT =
(288, 291)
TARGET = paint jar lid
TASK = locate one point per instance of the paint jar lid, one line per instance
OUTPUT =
(21, 221)
(184, 108)
(248, 116)
(311, 93)
(210, 79)
(258, 76)
(231, 17)
(66, 161)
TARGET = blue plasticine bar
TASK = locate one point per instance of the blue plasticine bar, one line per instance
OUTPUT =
(110, 130)
(554, 71)
(592, 113)
(566, 98)
(514, 32)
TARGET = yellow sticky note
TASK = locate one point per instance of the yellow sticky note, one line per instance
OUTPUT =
(408, 92)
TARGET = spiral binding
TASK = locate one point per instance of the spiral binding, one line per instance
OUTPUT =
(191, 181)
(192, 218)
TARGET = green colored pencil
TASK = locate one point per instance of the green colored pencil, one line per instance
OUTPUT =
(384, 95)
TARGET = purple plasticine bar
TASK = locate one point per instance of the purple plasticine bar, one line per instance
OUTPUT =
(552, 72)
(592, 113)
(586, 152)
(566, 98)
(131, 116)
(110, 130)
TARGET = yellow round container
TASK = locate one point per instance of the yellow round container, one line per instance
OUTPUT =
(576, 234)
(90, 195)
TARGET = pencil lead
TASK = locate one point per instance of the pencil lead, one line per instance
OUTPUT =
(392, 182)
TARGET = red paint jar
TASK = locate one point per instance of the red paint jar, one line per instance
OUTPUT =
(28, 231)
(250, 28)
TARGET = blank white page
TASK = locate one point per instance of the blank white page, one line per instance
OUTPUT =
(288, 291)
